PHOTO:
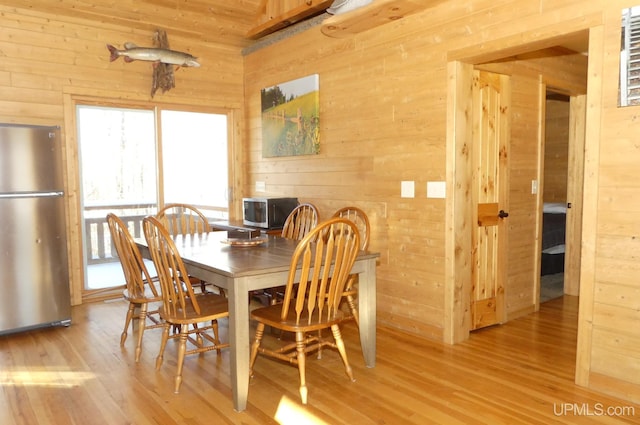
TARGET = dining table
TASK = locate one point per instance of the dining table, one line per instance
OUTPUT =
(242, 267)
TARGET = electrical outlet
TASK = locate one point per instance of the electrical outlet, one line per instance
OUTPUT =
(436, 189)
(407, 189)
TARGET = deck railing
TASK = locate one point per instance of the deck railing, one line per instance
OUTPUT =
(98, 245)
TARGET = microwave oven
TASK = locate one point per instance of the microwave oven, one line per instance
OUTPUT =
(267, 213)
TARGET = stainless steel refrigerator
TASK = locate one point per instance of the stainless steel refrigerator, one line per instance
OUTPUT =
(34, 271)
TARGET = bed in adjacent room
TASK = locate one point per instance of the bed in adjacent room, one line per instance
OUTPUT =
(554, 223)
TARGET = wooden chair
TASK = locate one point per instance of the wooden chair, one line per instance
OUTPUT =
(312, 304)
(141, 289)
(361, 220)
(184, 219)
(300, 221)
(180, 305)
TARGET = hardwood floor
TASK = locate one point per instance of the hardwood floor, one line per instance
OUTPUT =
(520, 372)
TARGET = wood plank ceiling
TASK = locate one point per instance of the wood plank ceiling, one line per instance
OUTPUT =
(237, 23)
(222, 21)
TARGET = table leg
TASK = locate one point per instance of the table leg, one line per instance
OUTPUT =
(367, 311)
(238, 295)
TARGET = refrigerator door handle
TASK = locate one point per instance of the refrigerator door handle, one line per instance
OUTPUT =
(30, 194)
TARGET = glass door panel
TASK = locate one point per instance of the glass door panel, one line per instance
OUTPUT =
(118, 174)
(195, 160)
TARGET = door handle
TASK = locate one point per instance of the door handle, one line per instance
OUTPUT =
(503, 214)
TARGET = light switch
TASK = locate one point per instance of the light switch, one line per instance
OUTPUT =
(407, 189)
(261, 187)
(436, 189)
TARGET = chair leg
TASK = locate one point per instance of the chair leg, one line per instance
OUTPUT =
(273, 296)
(163, 344)
(255, 346)
(216, 338)
(337, 335)
(300, 346)
(182, 349)
(142, 322)
(351, 301)
(199, 339)
(127, 322)
(319, 353)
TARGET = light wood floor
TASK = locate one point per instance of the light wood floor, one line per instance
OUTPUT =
(521, 372)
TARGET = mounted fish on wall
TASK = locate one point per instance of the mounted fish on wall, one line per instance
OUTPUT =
(162, 57)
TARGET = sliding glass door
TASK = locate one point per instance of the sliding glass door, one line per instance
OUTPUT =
(194, 158)
(132, 161)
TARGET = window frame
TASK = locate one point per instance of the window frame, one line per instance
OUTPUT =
(79, 292)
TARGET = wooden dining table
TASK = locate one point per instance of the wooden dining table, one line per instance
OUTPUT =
(242, 269)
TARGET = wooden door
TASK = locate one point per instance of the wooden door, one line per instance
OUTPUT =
(490, 156)
(575, 183)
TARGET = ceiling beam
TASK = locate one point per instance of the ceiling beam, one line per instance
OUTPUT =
(274, 15)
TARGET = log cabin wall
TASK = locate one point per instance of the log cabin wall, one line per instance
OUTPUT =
(609, 322)
(556, 150)
(382, 121)
(383, 115)
(383, 97)
(54, 53)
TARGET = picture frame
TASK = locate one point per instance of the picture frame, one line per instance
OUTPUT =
(291, 118)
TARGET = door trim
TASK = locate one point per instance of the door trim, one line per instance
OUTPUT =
(458, 219)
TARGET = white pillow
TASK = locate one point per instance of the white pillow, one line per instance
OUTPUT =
(558, 249)
(554, 208)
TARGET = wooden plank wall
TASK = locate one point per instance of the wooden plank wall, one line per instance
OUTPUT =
(372, 129)
(609, 341)
(556, 151)
(382, 96)
(55, 52)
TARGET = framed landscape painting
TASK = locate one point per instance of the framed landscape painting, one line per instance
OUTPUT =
(290, 118)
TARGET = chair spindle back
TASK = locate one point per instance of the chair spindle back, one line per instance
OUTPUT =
(133, 267)
(319, 269)
(176, 288)
(359, 217)
(183, 219)
(300, 221)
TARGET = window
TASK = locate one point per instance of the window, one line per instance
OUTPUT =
(198, 143)
(629, 91)
(131, 160)
(117, 156)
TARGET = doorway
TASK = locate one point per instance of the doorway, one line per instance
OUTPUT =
(529, 92)
(554, 195)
